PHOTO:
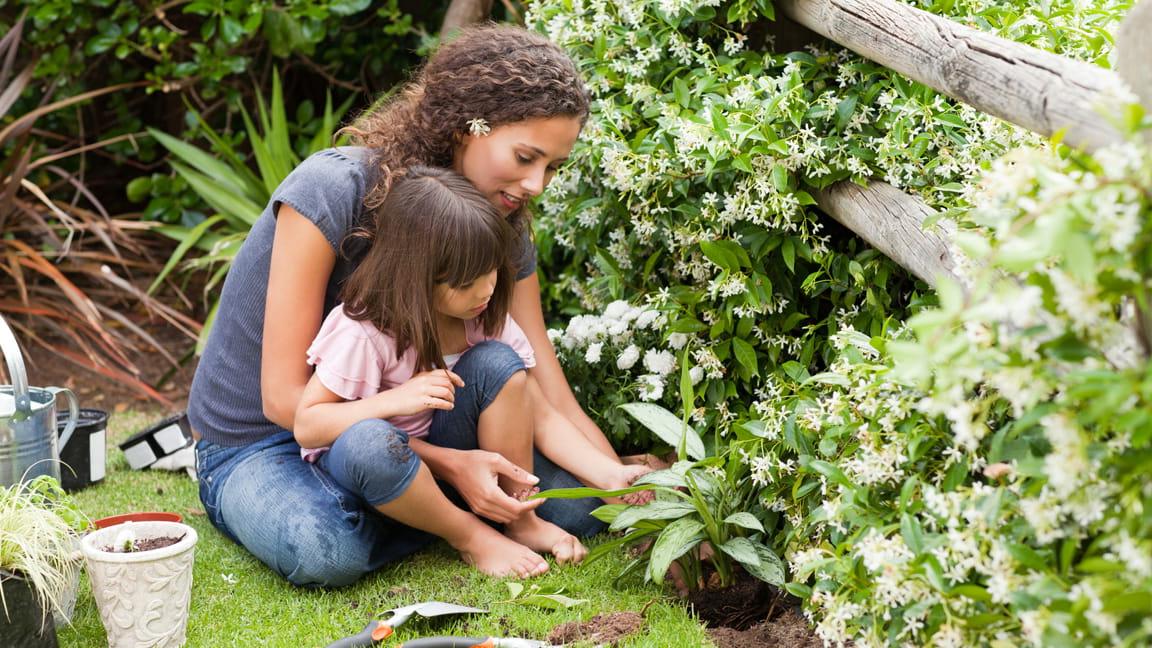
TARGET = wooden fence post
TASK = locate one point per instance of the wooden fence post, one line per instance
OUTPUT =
(1134, 65)
(462, 13)
(1038, 90)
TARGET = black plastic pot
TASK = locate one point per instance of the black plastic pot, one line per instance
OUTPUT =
(83, 459)
(26, 625)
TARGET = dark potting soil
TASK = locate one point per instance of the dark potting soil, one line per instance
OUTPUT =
(607, 629)
(147, 544)
(787, 630)
(740, 605)
(751, 613)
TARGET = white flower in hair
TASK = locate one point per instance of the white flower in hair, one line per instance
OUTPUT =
(479, 127)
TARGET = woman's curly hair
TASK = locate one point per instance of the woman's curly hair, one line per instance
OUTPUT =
(497, 73)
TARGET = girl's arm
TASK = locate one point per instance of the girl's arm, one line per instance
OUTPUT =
(302, 262)
(323, 415)
(528, 313)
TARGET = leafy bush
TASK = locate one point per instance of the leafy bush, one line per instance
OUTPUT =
(969, 477)
(39, 531)
(986, 476)
(698, 504)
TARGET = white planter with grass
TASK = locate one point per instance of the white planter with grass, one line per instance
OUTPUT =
(143, 596)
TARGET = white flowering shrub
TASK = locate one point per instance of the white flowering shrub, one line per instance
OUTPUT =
(985, 479)
(967, 472)
(620, 356)
(688, 192)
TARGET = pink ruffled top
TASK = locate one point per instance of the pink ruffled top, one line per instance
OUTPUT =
(355, 360)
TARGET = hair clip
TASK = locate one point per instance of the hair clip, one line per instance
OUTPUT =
(479, 127)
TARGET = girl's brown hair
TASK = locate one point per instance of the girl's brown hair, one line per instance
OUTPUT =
(440, 230)
(497, 73)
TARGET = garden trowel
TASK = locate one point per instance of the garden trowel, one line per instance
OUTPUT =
(378, 630)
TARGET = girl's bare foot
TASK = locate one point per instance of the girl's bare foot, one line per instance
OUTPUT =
(497, 555)
(534, 533)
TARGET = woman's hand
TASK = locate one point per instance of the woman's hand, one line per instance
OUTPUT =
(476, 477)
(434, 389)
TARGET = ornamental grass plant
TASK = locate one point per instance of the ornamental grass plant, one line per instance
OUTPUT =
(39, 529)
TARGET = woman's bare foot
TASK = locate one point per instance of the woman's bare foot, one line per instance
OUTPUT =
(534, 533)
(624, 476)
(497, 555)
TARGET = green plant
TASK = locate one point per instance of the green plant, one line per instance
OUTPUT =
(699, 503)
(38, 530)
(223, 178)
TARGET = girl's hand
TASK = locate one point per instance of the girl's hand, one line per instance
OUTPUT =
(434, 389)
(475, 478)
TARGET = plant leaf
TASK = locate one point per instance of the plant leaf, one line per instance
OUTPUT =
(667, 427)
(653, 511)
(742, 551)
(770, 569)
(746, 520)
(676, 540)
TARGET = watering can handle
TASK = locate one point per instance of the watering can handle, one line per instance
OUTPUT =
(16, 372)
(73, 415)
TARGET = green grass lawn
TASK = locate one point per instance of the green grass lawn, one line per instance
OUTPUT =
(237, 601)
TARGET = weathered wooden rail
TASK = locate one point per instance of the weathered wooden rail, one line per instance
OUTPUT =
(1034, 89)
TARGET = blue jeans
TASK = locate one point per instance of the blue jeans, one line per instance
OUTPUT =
(315, 524)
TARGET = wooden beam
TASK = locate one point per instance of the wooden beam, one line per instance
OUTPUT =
(1134, 65)
(462, 13)
(892, 222)
(1037, 90)
(1134, 52)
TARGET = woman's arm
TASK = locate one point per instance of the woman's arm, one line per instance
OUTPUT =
(527, 311)
(302, 262)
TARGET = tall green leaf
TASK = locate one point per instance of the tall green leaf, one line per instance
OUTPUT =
(667, 427)
(677, 539)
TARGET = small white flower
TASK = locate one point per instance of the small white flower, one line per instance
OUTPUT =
(479, 127)
(651, 387)
(230, 579)
(659, 362)
(628, 357)
(696, 374)
(677, 340)
(592, 355)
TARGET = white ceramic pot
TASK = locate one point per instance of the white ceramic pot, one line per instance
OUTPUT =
(143, 596)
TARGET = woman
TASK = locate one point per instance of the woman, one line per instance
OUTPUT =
(502, 107)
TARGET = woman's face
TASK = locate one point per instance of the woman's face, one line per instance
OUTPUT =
(513, 163)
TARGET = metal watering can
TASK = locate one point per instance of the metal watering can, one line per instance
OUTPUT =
(28, 433)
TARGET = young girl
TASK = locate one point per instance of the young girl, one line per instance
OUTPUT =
(500, 106)
(431, 349)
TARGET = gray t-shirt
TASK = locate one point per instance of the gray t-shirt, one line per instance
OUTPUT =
(225, 404)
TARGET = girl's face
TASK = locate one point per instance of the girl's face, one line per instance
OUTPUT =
(465, 302)
(514, 162)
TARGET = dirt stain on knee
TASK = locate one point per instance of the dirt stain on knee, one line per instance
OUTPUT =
(398, 448)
